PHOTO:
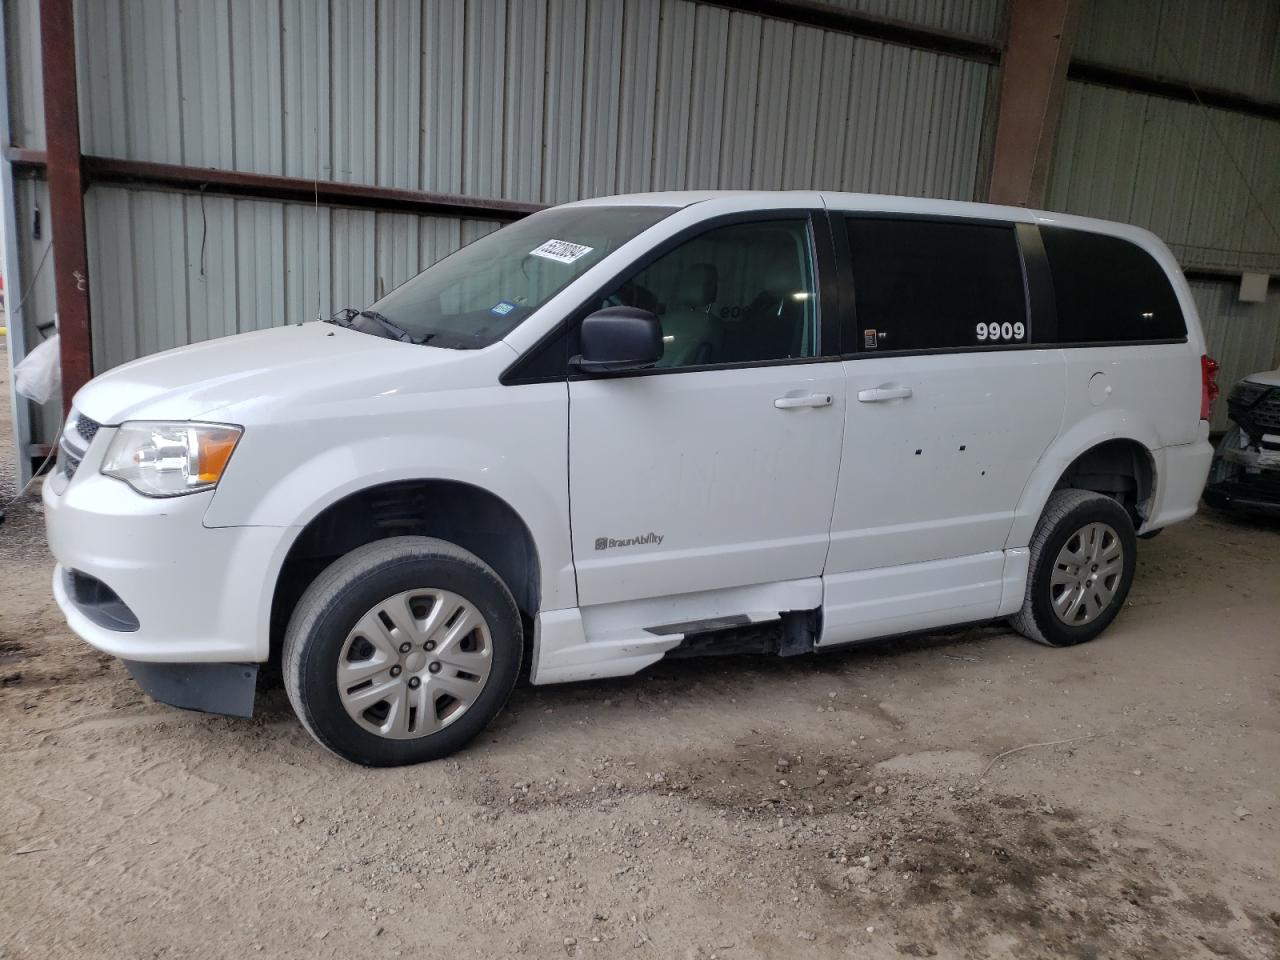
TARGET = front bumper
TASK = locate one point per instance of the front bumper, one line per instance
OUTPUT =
(197, 594)
(1238, 496)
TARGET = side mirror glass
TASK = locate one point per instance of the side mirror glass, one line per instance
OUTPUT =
(618, 340)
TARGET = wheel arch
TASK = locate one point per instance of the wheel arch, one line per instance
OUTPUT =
(1119, 458)
(1122, 468)
(473, 518)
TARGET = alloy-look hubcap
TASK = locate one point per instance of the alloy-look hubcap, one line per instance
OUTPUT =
(1086, 574)
(414, 663)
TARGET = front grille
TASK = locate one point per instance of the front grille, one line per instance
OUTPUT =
(88, 429)
(1259, 417)
(74, 443)
(1266, 412)
(68, 462)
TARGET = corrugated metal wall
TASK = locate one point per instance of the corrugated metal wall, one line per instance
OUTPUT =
(171, 268)
(1228, 44)
(34, 290)
(22, 67)
(535, 100)
(31, 197)
(1243, 337)
(976, 18)
(1206, 180)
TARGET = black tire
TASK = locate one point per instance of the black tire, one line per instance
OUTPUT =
(1066, 513)
(353, 585)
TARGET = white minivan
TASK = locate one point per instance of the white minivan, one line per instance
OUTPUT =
(636, 427)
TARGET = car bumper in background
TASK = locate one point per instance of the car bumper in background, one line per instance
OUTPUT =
(1227, 496)
(1245, 475)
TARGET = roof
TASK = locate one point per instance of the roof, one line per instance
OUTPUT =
(885, 203)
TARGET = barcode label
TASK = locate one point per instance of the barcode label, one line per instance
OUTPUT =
(561, 251)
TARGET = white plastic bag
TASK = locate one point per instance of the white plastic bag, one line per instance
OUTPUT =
(38, 375)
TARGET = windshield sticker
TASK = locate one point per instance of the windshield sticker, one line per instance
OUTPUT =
(561, 251)
(502, 308)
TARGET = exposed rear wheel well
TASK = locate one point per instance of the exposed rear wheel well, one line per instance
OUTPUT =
(1121, 469)
(468, 516)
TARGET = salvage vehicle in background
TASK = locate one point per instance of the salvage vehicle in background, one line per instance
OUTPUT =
(636, 427)
(1246, 466)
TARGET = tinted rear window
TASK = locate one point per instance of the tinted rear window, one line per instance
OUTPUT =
(1108, 290)
(933, 284)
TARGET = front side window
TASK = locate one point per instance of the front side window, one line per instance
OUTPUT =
(936, 284)
(736, 294)
(479, 294)
(1107, 290)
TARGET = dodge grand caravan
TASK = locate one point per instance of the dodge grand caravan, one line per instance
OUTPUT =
(638, 427)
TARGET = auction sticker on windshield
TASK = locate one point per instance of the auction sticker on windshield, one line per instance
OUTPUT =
(562, 251)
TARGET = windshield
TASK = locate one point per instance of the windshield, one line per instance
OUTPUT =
(482, 292)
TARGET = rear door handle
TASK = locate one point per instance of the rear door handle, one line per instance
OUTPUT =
(812, 400)
(881, 394)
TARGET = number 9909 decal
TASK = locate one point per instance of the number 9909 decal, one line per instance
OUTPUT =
(995, 332)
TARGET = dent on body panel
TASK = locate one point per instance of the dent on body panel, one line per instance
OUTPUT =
(993, 447)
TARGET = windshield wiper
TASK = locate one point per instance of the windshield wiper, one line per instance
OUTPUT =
(349, 317)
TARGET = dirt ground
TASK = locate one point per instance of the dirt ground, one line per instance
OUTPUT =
(843, 805)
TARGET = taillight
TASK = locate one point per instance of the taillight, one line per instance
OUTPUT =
(1208, 385)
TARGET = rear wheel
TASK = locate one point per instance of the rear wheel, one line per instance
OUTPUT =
(402, 651)
(1082, 562)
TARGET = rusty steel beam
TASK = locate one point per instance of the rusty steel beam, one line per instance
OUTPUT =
(28, 161)
(1032, 77)
(300, 190)
(66, 194)
(261, 186)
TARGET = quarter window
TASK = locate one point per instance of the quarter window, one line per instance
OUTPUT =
(927, 285)
(1107, 290)
(735, 294)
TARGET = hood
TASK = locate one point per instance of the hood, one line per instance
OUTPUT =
(249, 372)
(1270, 377)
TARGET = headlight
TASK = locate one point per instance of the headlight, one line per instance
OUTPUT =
(170, 459)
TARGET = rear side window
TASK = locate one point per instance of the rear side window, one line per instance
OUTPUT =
(936, 284)
(1107, 290)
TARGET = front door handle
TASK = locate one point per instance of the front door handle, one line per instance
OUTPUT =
(812, 400)
(881, 394)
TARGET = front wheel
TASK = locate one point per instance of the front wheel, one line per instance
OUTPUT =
(402, 651)
(1083, 556)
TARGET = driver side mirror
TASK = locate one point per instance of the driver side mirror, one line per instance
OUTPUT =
(618, 340)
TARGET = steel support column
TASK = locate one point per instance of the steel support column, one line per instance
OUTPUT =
(1033, 73)
(66, 193)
